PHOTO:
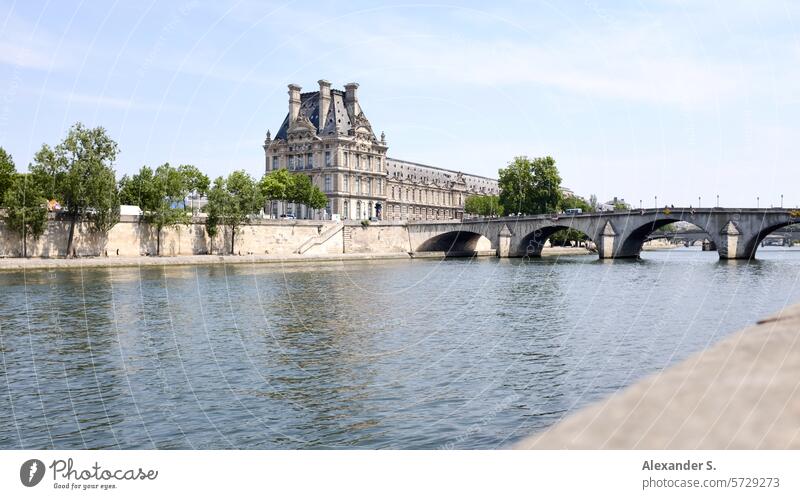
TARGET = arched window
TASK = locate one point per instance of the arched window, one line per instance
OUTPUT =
(346, 210)
(358, 210)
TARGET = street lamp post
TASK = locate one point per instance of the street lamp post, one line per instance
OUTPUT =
(640, 204)
(758, 202)
(781, 201)
(717, 200)
(656, 202)
(698, 201)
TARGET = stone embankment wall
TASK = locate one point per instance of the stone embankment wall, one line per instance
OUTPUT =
(378, 239)
(132, 237)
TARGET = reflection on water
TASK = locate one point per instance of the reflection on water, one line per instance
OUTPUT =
(396, 354)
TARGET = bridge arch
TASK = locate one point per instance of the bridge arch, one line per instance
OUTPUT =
(633, 239)
(533, 243)
(456, 243)
(751, 245)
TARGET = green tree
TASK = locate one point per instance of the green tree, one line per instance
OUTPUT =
(571, 202)
(79, 173)
(621, 206)
(473, 205)
(137, 189)
(516, 183)
(161, 194)
(26, 209)
(231, 201)
(197, 183)
(275, 185)
(47, 170)
(219, 204)
(7, 173)
(170, 188)
(302, 191)
(212, 227)
(564, 237)
(546, 185)
(281, 185)
(530, 186)
(483, 205)
(317, 199)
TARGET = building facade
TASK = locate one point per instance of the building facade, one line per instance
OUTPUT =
(326, 136)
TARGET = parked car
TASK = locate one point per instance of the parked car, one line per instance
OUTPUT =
(288, 216)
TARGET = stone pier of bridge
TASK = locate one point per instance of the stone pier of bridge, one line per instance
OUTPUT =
(736, 232)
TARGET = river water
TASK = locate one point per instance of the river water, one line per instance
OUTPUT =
(461, 353)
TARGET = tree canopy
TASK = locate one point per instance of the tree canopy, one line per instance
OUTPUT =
(26, 208)
(7, 173)
(276, 184)
(302, 191)
(78, 172)
(231, 201)
(281, 185)
(137, 189)
(486, 206)
(196, 182)
(571, 202)
(564, 237)
(530, 186)
(160, 195)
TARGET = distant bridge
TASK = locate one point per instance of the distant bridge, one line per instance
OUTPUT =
(736, 232)
(781, 237)
(688, 237)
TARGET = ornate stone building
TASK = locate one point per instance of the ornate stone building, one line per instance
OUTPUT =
(326, 136)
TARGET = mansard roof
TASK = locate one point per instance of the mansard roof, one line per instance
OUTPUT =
(338, 121)
(419, 174)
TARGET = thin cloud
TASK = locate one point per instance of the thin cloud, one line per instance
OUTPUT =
(107, 101)
(30, 46)
(24, 56)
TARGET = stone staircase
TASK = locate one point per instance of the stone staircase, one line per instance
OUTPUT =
(319, 239)
(348, 240)
(347, 236)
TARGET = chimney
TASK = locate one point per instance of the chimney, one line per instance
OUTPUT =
(351, 99)
(324, 102)
(294, 102)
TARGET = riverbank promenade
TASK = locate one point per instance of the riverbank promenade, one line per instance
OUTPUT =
(742, 393)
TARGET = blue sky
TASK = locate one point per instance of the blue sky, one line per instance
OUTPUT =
(634, 99)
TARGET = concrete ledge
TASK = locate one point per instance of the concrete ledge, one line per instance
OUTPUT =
(742, 393)
(566, 250)
(12, 264)
(452, 254)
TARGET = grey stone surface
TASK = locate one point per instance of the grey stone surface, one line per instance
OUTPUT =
(742, 393)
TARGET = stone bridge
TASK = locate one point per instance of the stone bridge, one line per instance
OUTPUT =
(736, 232)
